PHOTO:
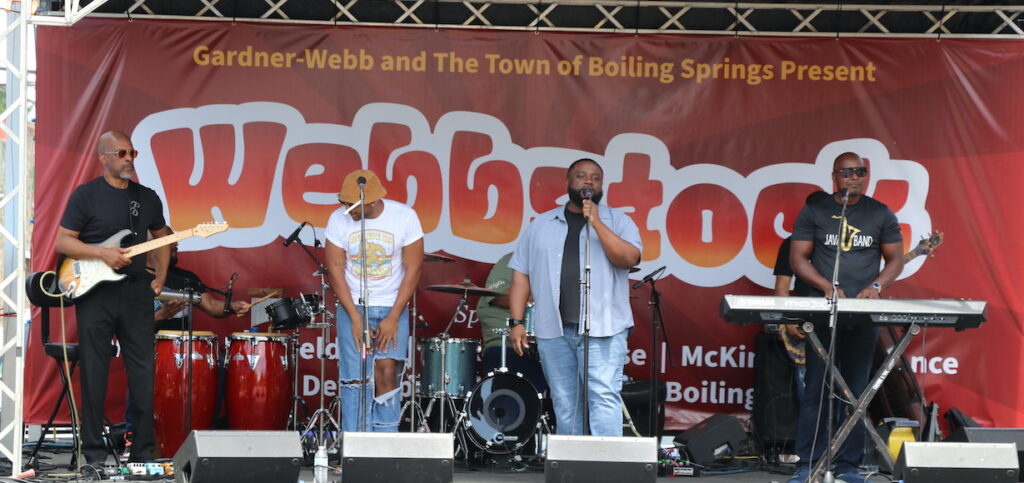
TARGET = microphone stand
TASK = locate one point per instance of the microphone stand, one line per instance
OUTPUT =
(364, 302)
(656, 322)
(586, 331)
(828, 476)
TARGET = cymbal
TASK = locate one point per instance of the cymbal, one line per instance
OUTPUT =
(437, 257)
(465, 288)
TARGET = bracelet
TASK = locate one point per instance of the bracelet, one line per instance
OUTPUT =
(227, 309)
(515, 322)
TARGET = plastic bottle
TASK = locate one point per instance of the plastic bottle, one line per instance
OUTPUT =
(320, 465)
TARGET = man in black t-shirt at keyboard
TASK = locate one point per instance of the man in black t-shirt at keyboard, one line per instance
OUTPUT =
(96, 211)
(869, 233)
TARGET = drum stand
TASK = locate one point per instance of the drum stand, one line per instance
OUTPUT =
(297, 401)
(413, 403)
(322, 417)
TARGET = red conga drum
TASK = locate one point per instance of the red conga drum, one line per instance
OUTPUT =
(170, 386)
(258, 389)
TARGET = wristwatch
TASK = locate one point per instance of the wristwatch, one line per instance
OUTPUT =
(877, 286)
(514, 322)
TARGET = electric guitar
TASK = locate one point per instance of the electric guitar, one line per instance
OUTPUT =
(78, 277)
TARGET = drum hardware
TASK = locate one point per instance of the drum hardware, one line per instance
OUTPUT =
(437, 257)
(321, 419)
(192, 297)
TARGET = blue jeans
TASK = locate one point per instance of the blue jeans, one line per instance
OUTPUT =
(562, 358)
(854, 354)
(382, 411)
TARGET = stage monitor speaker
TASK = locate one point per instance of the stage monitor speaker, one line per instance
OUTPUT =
(992, 435)
(398, 457)
(598, 459)
(958, 463)
(239, 456)
(712, 439)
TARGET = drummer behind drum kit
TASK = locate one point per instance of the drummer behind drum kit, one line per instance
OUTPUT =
(500, 413)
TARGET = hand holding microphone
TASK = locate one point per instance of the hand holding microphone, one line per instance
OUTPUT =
(589, 208)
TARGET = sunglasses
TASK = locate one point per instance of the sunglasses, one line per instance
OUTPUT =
(120, 153)
(849, 172)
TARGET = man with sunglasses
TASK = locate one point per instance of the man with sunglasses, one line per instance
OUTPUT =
(870, 232)
(95, 211)
(394, 261)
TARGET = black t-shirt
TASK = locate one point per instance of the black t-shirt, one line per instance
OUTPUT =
(180, 279)
(97, 211)
(569, 285)
(783, 268)
(870, 224)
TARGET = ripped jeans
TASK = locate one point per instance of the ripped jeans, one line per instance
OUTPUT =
(382, 411)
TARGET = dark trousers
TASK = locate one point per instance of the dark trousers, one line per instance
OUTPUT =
(124, 310)
(854, 353)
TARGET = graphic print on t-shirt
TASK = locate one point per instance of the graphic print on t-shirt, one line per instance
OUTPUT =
(380, 247)
(850, 237)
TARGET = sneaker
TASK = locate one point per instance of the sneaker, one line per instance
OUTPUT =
(801, 474)
(848, 474)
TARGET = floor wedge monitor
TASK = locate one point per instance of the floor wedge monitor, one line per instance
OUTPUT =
(958, 463)
(398, 457)
(598, 459)
(239, 456)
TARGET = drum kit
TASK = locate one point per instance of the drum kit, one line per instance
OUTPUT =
(497, 414)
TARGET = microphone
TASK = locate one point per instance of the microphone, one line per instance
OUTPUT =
(845, 193)
(650, 277)
(295, 234)
(361, 181)
(229, 292)
(587, 192)
(189, 296)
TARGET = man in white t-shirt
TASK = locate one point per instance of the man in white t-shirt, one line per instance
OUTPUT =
(394, 244)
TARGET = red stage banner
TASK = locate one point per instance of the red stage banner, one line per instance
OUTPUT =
(710, 144)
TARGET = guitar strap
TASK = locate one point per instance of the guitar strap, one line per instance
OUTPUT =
(134, 207)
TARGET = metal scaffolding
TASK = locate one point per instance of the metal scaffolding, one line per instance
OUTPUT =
(625, 16)
(609, 16)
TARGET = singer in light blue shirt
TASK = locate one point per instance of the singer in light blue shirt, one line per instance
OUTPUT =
(549, 262)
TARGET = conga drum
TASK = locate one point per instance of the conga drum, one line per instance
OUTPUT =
(171, 386)
(258, 387)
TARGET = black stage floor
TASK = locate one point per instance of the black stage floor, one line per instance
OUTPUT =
(493, 474)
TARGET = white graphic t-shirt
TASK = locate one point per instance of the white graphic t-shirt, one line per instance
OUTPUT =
(386, 236)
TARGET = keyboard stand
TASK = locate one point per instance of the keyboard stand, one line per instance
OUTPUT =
(859, 412)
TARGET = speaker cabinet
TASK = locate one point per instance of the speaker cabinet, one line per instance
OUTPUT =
(712, 439)
(992, 435)
(597, 459)
(776, 406)
(958, 463)
(238, 456)
(398, 457)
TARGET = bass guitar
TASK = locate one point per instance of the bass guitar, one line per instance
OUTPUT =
(78, 277)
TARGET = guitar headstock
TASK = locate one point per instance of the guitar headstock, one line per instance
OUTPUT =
(210, 228)
(928, 244)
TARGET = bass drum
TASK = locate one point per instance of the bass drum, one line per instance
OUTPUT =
(502, 413)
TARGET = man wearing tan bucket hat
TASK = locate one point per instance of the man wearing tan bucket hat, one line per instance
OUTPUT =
(394, 261)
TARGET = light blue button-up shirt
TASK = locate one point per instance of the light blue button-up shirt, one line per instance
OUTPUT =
(539, 255)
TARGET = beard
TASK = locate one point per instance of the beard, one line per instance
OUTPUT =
(577, 198)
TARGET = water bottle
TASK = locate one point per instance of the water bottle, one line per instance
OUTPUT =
(320, 465)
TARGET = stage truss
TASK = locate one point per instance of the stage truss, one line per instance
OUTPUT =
(610, 16)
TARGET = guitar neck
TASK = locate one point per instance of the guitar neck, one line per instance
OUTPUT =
(159, 242)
